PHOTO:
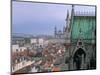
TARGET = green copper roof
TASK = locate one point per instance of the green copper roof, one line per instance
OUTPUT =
(83, 26)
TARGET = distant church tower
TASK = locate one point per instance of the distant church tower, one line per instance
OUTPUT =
(55, 32)
(58, 33)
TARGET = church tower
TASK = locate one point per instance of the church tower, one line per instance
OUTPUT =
(55, 32)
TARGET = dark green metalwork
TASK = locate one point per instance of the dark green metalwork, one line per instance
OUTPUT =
(83, 27)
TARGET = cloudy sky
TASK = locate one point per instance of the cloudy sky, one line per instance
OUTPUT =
(40, 18)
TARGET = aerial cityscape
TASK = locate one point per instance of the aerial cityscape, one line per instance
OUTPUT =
(50, 37)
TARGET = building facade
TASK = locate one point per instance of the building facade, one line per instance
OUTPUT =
(81, 40)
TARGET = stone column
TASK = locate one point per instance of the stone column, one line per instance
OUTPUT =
(71, 64)
(82, 62)
(74, 66)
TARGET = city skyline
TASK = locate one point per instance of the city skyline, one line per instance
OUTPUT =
(48, 37)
